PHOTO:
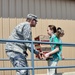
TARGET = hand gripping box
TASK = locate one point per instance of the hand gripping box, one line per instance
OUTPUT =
(42, 47)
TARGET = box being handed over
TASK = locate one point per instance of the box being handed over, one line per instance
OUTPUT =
(42, 47)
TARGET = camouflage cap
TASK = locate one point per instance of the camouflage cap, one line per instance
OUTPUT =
(32, 16)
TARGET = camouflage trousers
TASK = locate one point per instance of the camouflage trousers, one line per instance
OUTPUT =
(20, 61)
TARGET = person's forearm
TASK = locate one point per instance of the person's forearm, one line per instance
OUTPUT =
(34, 50)
(28, 45)
(54, 51)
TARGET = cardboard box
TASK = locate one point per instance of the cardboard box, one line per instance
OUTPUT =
(42, 47)
(42, 38)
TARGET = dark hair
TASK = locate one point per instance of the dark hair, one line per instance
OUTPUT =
(59, 32)
(58, 28)
(52, 27)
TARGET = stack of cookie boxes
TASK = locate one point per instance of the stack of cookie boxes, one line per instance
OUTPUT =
(42, 47)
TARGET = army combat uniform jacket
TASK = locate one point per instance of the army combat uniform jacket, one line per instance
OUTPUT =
(20, 32)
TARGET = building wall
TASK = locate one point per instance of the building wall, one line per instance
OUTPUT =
(57, 12)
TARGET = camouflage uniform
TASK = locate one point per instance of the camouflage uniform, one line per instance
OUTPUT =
(17, 51)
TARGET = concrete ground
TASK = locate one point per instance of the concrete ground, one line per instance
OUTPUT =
(67, 73)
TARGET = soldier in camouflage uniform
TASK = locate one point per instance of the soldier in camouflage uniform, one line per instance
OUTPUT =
(17, 51)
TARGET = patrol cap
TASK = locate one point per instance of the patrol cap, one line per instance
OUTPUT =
(32, 16)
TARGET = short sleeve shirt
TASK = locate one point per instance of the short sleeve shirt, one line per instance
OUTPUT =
(55, 39)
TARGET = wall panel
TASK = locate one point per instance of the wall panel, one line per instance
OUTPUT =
(72, 10)
(1, 47)
(25, 8)
(43, 8)
(59, 10)
(37, 8)
(12, 9)
(64, 9)
(31, 6)
(68, 9)
(1, 51)
(54, 9)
